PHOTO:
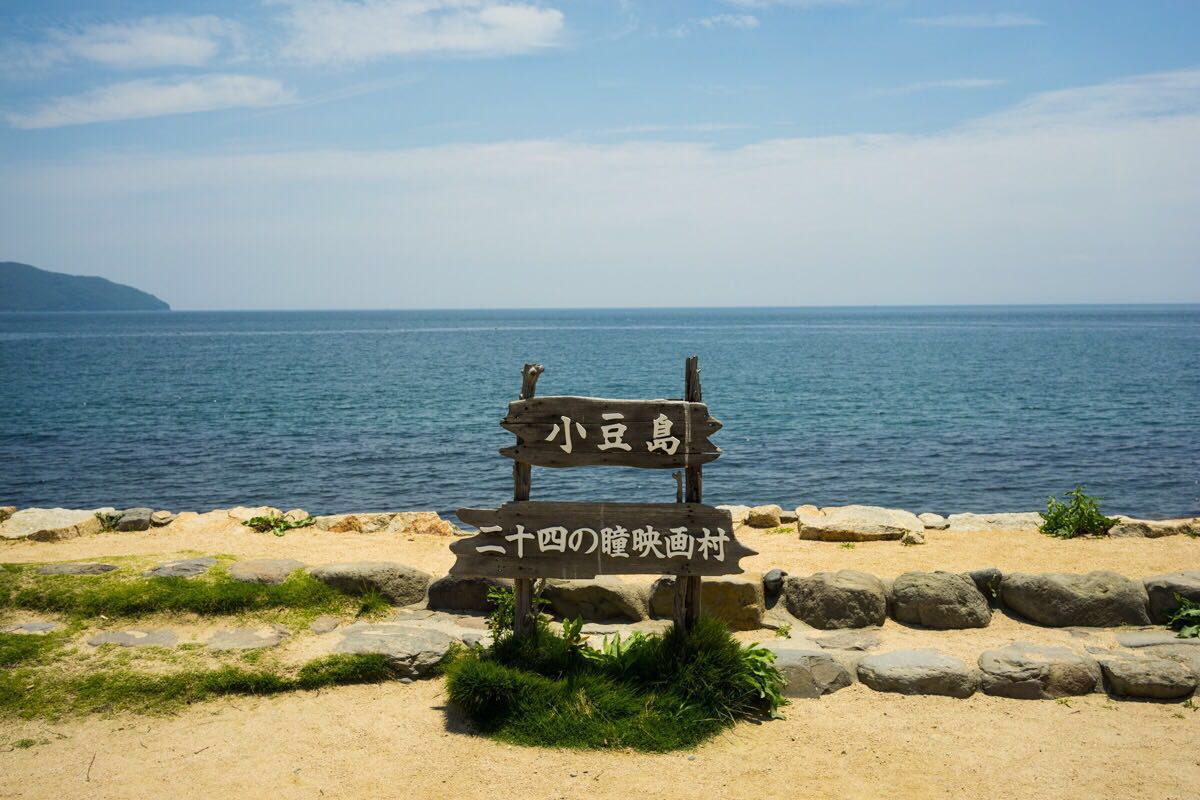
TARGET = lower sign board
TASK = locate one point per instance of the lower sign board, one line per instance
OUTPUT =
(583, 540)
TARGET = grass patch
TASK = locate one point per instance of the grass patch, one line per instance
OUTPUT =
(1079, 517)
(650, 693)
(116, 595)
(29, 693)
(278, 524)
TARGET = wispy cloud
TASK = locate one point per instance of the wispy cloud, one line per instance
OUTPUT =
(154, 98)
(792, 3)
(338, 31)
(947, 83)
(744, 22)
(652, 128)
(139, 43)
(979, 21)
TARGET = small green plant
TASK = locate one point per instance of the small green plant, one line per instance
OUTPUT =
(1063, 701)
(277, 524)
(847, 545)
(781, 529)
(1185, 618)
(1190, 704)
(504, 610)
(1079, 517)
(24, 744)
(783, 631)
(108, 520)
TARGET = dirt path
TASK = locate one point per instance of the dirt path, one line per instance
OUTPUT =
(398, 741)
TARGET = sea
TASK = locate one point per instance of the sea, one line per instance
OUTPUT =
(943, 409)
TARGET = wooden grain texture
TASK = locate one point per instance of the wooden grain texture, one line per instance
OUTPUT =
(688, 589)
(523, 620)
(596, 436)
(583, 553)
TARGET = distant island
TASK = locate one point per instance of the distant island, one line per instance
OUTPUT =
(27, 288)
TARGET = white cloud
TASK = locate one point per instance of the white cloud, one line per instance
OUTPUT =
(979, 21)
(1082, 195)
(743, 22)
(948, 83)
(153, 98)
(343, 31)
(140, 43)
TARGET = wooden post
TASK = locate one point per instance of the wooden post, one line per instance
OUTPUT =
(523, 621)
(687, 587)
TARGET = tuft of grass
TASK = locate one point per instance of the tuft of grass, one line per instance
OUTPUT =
(30, 693)
(847, 545)
(108, 521)
(1080, 517)
(783, 631)
(650, 693)
(278, 524)
(117, 595)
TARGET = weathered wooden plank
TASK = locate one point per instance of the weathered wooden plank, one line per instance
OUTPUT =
(583, 540)
(568, 431)
(523, 620)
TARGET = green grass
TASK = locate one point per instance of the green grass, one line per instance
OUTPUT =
(1079, 517)
(29, 693)
(650, 693)
(1185, 618)
(121, 595)
(278, 525)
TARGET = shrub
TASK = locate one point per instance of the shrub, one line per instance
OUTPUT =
(1080, 517)
(652, 693)
(278, 525)
(1186, 618)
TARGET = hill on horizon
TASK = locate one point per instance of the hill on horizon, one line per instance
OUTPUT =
(27, 288)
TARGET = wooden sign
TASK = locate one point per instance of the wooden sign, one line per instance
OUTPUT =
(591, 431)
(583, 540)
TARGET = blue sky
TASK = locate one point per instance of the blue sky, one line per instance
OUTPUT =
(459, 153)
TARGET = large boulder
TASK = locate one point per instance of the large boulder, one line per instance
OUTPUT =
(943, 600)
(395, 523)
(52, 524)
(735, 600)
(458, 593)
(1128, 527)
(764, 516)
(399, 583)
(809, 672)
(855, 523)
(1162, 589)
(843, 599)
(1100, 599)
(270, 571)
(134, 519)
(1032, 672)
(995, 523)
(1152, 678)
(918, 672)
(416, 651)
(603, 599)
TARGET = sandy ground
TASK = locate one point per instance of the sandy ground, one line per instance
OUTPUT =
(1027, 551)
(400, 741)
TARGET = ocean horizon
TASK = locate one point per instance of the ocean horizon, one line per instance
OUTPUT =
(930, 408)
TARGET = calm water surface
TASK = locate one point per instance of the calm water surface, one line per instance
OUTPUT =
(944, 409)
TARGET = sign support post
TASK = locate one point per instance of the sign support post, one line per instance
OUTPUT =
(523, 621)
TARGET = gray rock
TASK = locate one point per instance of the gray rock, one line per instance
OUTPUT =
(1162, 590)
(399, 583)
(855, 523)
(246, 639)
(51, 524)
(911, 538)
(135, 638)
(738, 513)
(933, 522)
(943, 600)
(160, 518)
(456, 593)
(271, 571)
(1183, 651)
(788, 517)
(1032, 672)
(809, 671)
(1152, 638)
(918, 672)
(601, 600)
(844, 599)
(1154, 678)
(773, 582)
(988, 581)
(76, 568)
(183, 568)
(324, 624)
(734, 599)
(1127, 527)
(995, 523)
(764, 516)
(415, 651)
(1100, 599)
(32, 628)
(850, 640)
(134, 519)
